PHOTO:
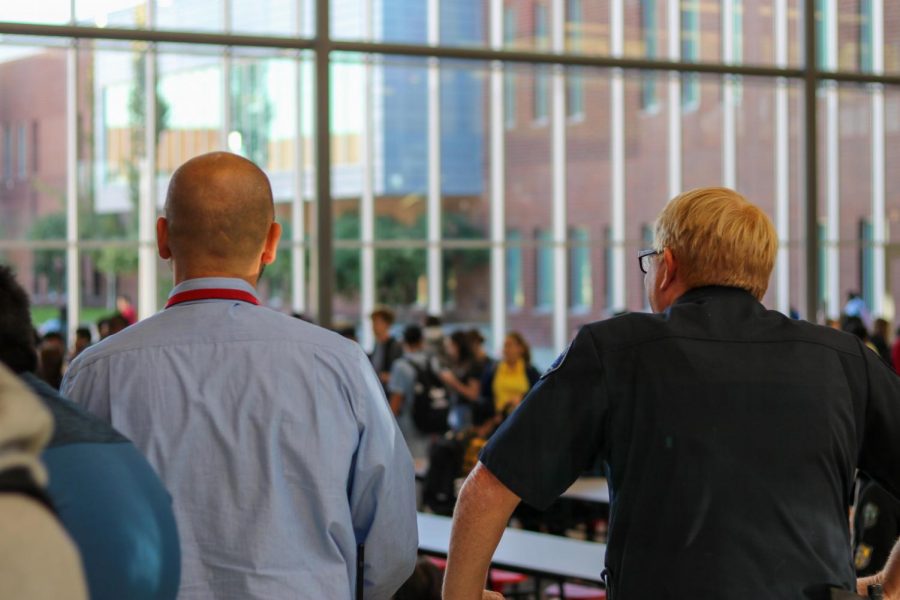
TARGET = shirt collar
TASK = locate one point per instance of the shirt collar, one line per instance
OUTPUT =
(203, 283)
(711, 292)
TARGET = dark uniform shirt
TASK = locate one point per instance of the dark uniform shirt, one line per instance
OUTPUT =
(730, 435)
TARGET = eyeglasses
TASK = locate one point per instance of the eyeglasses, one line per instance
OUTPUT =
(644, 259)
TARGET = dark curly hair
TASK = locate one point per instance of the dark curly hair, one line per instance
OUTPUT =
(17, 350)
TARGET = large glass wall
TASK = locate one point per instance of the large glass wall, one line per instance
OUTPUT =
(497, 191)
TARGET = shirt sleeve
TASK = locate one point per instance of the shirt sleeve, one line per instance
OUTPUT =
(399, 381)
(382, 494)
(557, 431)
(85, 386)
(881, 436)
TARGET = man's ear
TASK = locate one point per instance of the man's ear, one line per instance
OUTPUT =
(670, 269)
(270, 249)
(162, 238)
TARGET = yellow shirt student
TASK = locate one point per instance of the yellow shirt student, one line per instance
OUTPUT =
(510, 384)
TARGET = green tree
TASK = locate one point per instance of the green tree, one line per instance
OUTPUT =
(397, 270)
(50, 263)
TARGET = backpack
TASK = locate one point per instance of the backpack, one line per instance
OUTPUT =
(445, 461)
(431, 404)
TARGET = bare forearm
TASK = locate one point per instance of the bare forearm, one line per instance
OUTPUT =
(396, 402)
(888, 577)
(482, 512)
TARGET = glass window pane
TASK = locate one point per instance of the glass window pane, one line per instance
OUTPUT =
(846, 187)
(703, 29)
(528, 165)
(111, 13)
(467, 290)
(535, 320)
(892, 37)
(54, 12)
(32, 143)
(515, 287)
(42, 273)
(347, 271)
(400, 146)
(107, 272)
(189, 110)
(272, 17)
(465, 145)
(114, 103)
(464, 22)
(381, 20)
(400, 282)
(190, 15)
(588, 178)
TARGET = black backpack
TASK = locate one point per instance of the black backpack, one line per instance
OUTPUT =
(445, 461)
(431, 404)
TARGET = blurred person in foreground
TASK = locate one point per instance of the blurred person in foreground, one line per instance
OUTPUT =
(109, 498)
(273, 435)
(730, 433)
(38, 561)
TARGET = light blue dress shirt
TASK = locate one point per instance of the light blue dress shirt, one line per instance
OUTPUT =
(273, 437)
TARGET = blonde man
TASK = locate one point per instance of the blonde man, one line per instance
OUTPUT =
(730, 433)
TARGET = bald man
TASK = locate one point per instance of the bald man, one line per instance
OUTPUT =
(272, 435)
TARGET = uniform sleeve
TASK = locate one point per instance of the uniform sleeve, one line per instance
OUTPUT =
(557, 431)
(382, 494)
(86, 385)
(880, 453)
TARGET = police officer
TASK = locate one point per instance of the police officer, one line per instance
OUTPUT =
(730, 433)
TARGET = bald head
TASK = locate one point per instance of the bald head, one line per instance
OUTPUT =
(219, 215)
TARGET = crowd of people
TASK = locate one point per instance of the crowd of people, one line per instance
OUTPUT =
(219, 449)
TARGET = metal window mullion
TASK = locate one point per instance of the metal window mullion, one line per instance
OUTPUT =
(674, 114)
(298, 215)
(617, 160)
(367, 201)
(226, 79)
(558, 162)
(810, 217)
(879, 224)
(147, 195)
(498, 184)
(435, 274)
(729, 112)
(324, 275)
(73, 270)
(782, 163)
(832, 166)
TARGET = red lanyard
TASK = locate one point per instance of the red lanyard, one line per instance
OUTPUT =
(212, 294)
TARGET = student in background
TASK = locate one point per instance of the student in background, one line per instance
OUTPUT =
(462, 376)
(507, 382)
(386, 349)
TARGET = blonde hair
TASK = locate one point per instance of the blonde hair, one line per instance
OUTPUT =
(719, 238)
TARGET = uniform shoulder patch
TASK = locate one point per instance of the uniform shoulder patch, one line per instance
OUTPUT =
(558, 362)
(863, 556)
(869, 515)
